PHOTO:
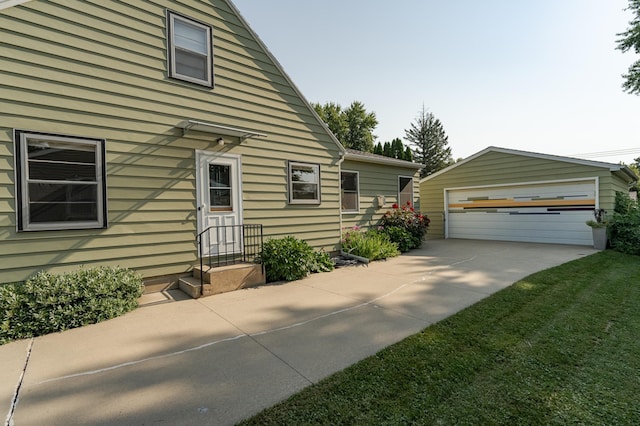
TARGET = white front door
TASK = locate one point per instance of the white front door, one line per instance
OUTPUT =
(219, 189)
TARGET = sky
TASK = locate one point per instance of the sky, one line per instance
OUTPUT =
(541, 76)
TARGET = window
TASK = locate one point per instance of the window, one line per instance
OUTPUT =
(190, 50)
(405, 190)
(304, 183)
(349, 192)
(220, 187)
(60, 182)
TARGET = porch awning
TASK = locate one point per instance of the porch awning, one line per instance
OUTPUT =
(201, 126)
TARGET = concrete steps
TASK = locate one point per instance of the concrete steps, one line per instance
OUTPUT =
(222, 279)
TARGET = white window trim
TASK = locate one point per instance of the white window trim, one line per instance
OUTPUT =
(357, 209)
(171, 64)
(412, 190)
(22, 191)
(291, 164)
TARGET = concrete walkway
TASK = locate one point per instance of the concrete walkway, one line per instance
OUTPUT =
(220, 359)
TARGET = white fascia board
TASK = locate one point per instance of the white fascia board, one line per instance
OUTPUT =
(5, 4)
(382, 160)
(610, 166)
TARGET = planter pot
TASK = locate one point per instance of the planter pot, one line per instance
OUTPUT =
(599, 238)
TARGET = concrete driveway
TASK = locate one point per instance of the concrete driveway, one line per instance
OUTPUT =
(221, 359)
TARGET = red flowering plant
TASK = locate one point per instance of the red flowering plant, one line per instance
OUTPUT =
(405, 226)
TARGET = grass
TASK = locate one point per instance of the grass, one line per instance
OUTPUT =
(561, 346)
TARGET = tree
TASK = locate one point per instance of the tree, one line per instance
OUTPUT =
(378, 149)
(386, 151)
(635, 166)
(333, 115)
(360, 125)
(431, 143)
(631, 40)
(397, 149)
(353, 126)
(408, 154)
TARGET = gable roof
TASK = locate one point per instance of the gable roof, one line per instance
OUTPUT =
(621, 168)
(284, 73)
(368, 157)
(5, 4)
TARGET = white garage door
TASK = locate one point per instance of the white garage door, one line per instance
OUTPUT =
(541, 213)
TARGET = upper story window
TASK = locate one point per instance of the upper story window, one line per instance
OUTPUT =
(60, 182)
(304, 183)
(190, 50)
(405, 190)
(349, 199)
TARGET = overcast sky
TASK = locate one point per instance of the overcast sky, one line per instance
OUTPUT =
(541, 76)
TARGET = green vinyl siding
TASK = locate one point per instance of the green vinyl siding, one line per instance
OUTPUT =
(496, 168)
(377, 180)
(98, 69)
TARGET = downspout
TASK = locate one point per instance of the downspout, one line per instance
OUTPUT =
(340, 160)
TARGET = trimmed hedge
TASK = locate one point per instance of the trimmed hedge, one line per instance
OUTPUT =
(48, 303)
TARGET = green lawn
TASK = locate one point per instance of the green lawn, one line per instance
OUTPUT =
(561, 346)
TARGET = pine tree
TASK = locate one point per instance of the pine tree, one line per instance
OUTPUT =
(386, 151)
(408, 154)
(431, 143)
(378, 149)
(397, 149)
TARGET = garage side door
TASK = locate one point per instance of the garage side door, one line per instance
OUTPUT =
(542, 213)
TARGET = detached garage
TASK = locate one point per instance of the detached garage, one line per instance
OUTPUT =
(509, 195)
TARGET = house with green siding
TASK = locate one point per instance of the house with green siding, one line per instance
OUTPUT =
(371, 184)
(148, 134)
(512, 195)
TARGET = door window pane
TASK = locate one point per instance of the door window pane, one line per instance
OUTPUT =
(220, 186)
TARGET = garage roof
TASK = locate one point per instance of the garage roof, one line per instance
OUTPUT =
(625, 172)
(368, 157)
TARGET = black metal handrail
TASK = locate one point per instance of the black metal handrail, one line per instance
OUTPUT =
(228, 245)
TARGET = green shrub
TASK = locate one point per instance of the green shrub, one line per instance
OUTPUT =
(49, 303)
(372, 244)
(291, 259)
(407, 218)
(400, 236)
(624, 226)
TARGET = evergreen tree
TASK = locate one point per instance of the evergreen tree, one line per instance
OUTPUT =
(431, 143)
(378, 149)
(386, 151)
(408, 154)
(397, 149)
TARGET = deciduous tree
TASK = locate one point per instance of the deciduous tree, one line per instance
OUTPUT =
(352, 126)
(631, 41)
